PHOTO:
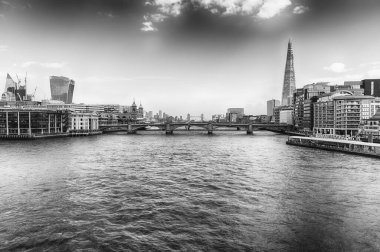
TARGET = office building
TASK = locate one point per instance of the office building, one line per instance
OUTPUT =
(303, 99)
(62, 89)
(271, 104)
(234, 114)
(32, 121)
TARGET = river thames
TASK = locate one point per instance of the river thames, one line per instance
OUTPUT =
(186, 192)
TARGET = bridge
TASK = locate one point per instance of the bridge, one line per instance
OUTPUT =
(170, 127)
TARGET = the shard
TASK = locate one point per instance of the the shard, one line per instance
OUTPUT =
(289, 78)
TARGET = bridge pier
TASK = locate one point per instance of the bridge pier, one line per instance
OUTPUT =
(209, 129)
(250, 130)
(130, 129)
(168, 129)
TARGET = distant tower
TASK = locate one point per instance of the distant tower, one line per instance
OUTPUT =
(141, 111)
(134, 111)
(289, 78)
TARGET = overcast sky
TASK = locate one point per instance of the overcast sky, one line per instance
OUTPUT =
(187, 56)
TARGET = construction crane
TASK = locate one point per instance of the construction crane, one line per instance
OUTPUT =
(18, 83)
(34, 93)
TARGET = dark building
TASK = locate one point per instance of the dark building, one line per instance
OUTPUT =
(371, 87)
(298, 107)
(32, 122)
(62, 89)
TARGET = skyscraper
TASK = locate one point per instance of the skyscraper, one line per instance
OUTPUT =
(289, 78)
(62, 89)
(271, 104)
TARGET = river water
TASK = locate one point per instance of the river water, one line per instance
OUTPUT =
(186, 192)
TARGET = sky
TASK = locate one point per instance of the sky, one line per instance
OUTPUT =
(187, 56)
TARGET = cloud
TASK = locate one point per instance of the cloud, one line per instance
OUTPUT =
(336, 67)
(230, 7)
(160, 10)
(148, 26)
(261, 8)
(54, 65)
(300, 9)
(169, 7)
(271, 8)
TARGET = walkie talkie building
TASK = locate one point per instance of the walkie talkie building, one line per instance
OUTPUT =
(62, 89)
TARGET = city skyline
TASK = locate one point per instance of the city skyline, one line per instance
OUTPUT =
(156, 51)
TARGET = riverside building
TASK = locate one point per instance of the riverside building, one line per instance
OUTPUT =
(16, 122)
(83, 122)
(341, 113)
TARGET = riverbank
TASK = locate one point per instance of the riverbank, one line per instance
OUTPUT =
(346, 146)
(44, 136)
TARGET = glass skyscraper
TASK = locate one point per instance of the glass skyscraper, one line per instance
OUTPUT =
(62, 89)
(289, 78)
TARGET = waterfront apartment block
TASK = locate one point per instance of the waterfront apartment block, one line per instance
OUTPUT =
(28, 122)
(350, 112)
(341, 113)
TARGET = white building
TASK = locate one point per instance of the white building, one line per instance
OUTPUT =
(286, 116)
(83, 121)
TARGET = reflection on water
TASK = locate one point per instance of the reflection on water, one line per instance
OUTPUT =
(188, 191)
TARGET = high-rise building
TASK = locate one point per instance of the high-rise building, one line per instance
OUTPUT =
(289, 78)
(62, 89)
(271, 104)
(371, 87)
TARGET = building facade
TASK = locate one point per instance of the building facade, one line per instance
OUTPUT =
(282, 114)
(341, 113)
(62, 89)
(15, 121)
(80, 122)
(234, 114)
